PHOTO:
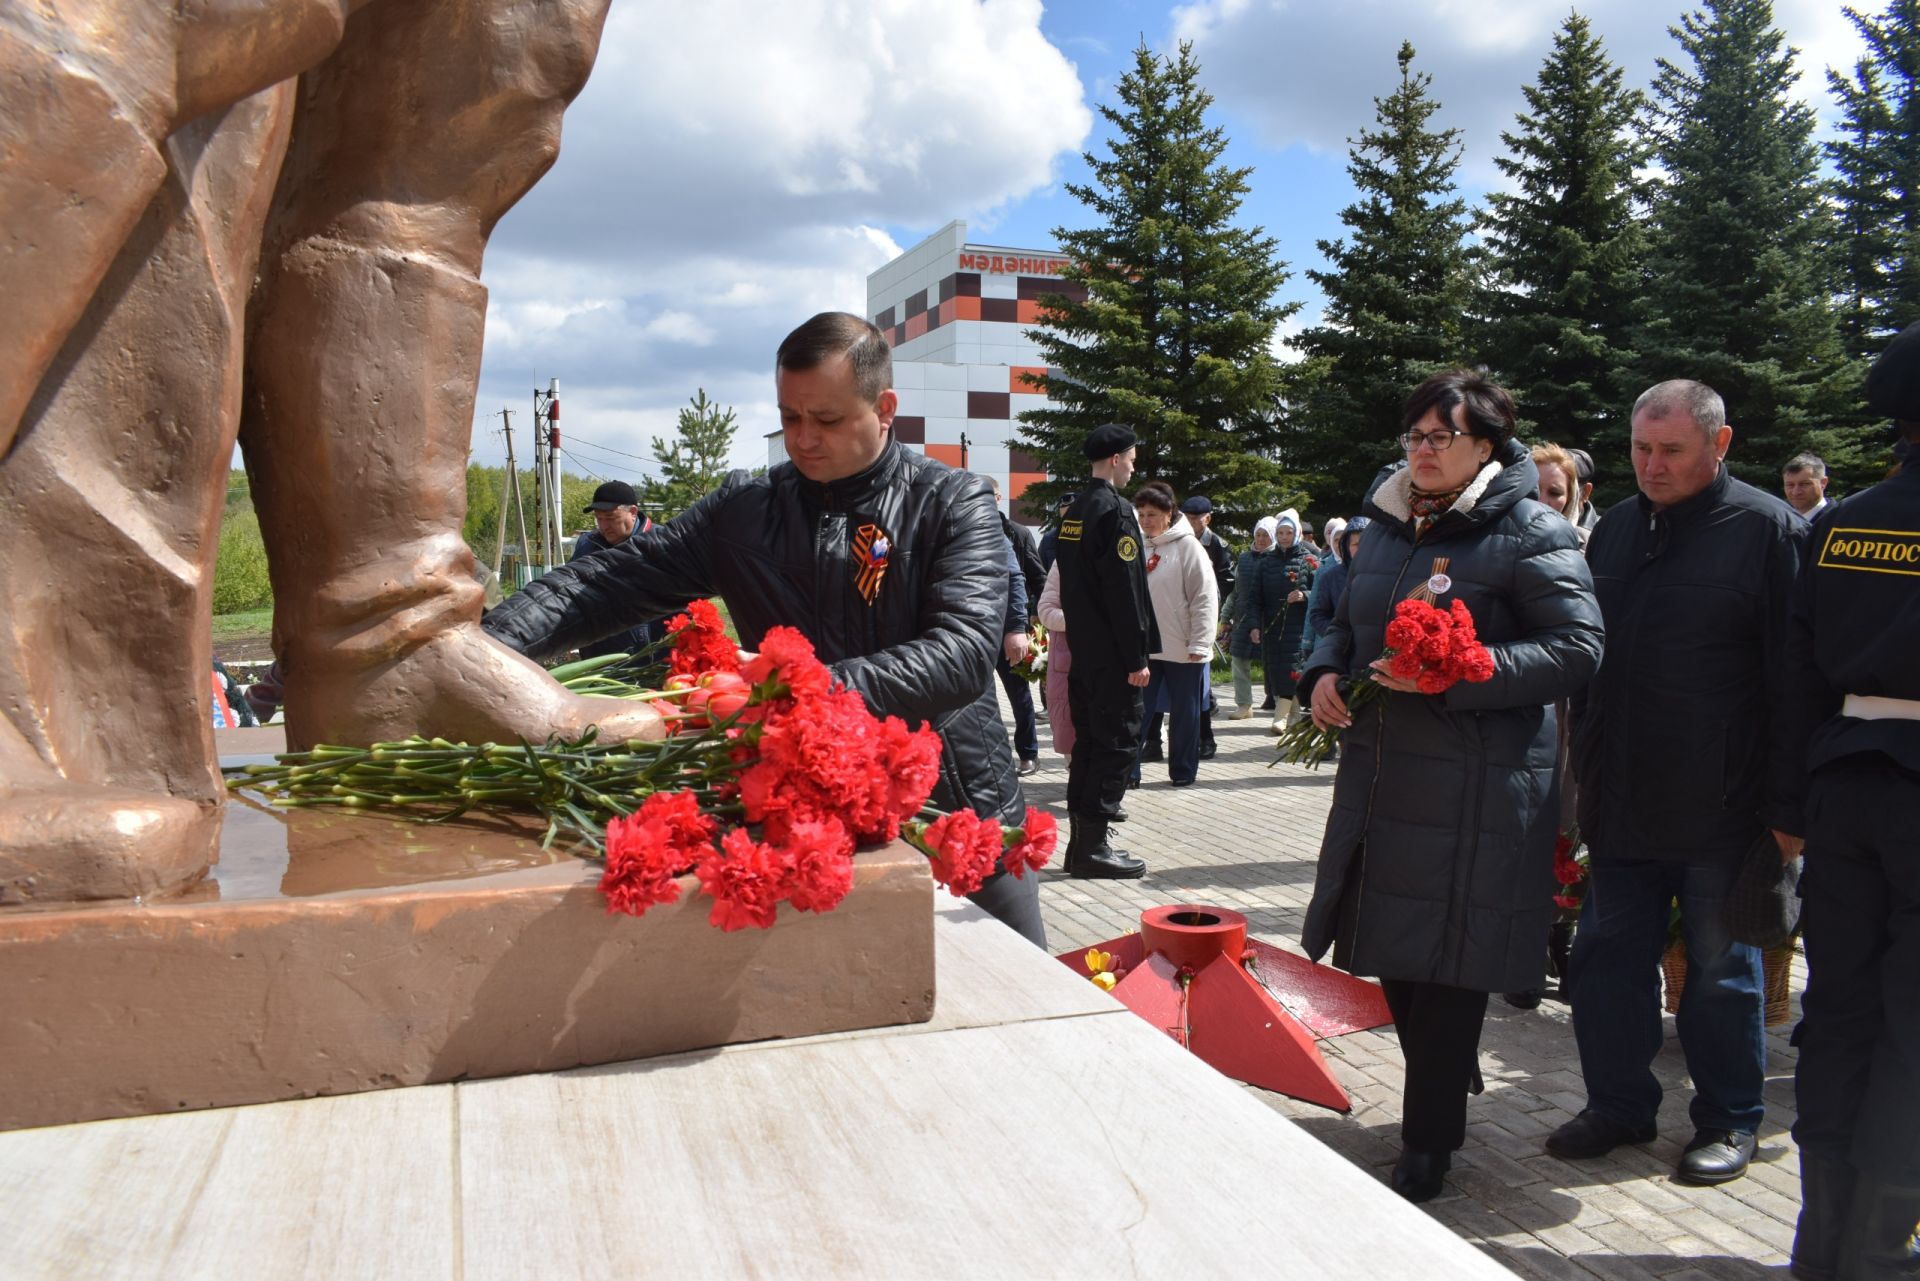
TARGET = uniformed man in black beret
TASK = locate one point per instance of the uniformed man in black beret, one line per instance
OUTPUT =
(1110, 629)
(1856, 642)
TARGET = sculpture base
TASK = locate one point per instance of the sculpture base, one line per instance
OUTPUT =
(333, 952)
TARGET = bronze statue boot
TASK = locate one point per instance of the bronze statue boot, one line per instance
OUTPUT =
(426, 124)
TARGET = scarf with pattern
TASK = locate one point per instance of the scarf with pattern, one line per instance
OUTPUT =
(1428, 508)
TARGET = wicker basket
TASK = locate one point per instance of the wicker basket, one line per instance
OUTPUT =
(1778, 968)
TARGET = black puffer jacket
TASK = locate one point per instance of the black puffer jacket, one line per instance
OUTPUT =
(1679, 746)
(1282, 572)
(777, 549)
(1437, 864)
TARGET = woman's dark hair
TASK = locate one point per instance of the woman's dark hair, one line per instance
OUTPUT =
(1489, 413)
(1156, 493)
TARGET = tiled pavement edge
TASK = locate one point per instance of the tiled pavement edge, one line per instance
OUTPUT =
(1246, 837)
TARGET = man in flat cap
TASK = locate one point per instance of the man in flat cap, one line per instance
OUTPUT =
(1110, 628)
(617, 516)
(1855, 647)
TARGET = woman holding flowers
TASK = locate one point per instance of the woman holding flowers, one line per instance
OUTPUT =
(1436, 871)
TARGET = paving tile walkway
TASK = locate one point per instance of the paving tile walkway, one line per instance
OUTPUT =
(1247, 837)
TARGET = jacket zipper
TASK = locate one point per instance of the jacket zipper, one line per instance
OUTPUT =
(1379, 759)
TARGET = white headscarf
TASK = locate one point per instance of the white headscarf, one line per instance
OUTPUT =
(1269, 524)
(1288, 517)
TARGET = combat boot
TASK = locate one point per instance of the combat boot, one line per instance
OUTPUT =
(1096, 860)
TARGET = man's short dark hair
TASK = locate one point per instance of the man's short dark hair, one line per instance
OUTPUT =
(1807, 462)
(839, 333)
(1489, 413)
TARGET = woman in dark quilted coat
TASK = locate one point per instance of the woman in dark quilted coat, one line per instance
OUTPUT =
(1278, 608)
(1436, 872)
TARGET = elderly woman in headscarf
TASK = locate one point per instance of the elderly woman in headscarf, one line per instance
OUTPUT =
(1238, 620)
(1278, 605)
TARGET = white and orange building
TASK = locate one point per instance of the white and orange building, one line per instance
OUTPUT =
(957, 315)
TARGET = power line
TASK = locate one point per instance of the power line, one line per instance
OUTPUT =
(568, 455)
(606, 449)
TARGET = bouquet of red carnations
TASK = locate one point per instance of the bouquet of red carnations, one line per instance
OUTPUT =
(770, 778)
(1570, 869)
(1434, 648)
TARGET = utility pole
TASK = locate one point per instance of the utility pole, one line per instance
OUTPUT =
(521, 576)
(546, 431)
(506, 491)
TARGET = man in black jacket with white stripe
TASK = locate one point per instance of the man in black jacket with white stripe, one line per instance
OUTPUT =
(891, 563)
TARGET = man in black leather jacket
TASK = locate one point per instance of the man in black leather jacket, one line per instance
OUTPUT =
(892, 564)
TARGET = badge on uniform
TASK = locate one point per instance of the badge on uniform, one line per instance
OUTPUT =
(871, 548)
(1127, 547)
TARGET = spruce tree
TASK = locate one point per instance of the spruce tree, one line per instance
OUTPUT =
(1565, 250)
(696, 462)
(1397, 290)
(1877, 160)
(1175, 332)
(1741, 273)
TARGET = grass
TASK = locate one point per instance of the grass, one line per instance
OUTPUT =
(252, 622)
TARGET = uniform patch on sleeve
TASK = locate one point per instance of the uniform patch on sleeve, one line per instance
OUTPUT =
(1127, 547)
(1873, 551)
(1070, 530)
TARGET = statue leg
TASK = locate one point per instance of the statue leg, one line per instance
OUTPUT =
(110, 505)
(430, 120)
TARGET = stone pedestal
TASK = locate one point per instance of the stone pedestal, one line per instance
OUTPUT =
(334, 952)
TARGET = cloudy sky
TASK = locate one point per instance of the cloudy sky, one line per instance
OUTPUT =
(735, 166)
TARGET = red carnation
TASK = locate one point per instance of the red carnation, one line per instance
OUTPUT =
(821, 870)
(700, 642)
(647, 850)
(1038, 836)
(747, 880)
(786, 657)
(962, 848)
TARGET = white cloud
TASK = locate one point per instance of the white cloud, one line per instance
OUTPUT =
(729, 171)
(1307, 73)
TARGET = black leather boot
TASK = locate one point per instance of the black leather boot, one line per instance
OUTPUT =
(1096, 860)
(1208, 748)
(1826, 1196)
(1420, 1176)
(1878, 1242)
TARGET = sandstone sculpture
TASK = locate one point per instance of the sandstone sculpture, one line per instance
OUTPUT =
(186, 229)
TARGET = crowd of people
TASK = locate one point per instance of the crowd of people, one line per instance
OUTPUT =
(1707, 676)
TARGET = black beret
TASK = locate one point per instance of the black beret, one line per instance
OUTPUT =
(1198, 505)
(1107, 440)
(1893, 384)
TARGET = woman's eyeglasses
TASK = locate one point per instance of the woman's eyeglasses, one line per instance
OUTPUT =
(1412, 440)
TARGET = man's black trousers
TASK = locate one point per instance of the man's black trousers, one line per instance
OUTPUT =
(1858, 1081)
(1106, 714)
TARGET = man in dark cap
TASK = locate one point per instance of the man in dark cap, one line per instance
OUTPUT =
(1110, 628)
(617, 514)
(1856, 651)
